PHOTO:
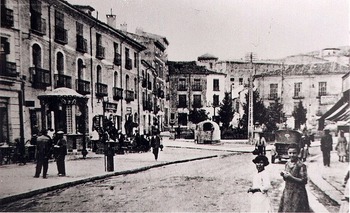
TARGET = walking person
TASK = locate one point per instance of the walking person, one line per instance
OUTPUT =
(326, 147)
(61, 153)
(260, 144)
(294, 197)
(260, 200)
(305, 143)
(341, 146)
(43, 147)
(155, 141)
(94, 138)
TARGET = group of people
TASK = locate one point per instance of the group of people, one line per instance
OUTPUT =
(294, 197)
(50, 145)
(342, 147)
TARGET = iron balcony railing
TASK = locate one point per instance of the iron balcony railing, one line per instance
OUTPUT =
(197, 105)
(81, 44)
(37, 24)
(8, 69)
(197, 87)
(117, 59)
(63, 81)
(6, 17)
(182, 87)
(61, 35)
(273, 96)
(101, 90)
(100, 52)
(83, 86)
(182, 105)
(129, 95)
(41, 78)
(117, 93)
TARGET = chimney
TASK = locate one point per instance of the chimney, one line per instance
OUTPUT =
(111, 20)
(124, 27)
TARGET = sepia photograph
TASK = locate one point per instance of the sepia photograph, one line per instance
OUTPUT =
(174, 106)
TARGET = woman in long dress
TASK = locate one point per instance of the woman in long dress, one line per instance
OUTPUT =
(260, 200)
(294, 197)
(341, 146)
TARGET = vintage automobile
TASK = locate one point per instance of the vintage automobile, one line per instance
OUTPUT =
(283, 138)
(207, 132)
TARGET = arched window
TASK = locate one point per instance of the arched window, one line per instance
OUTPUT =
(60, 63)
(99, 74)
(81, 67)
(115, 79)
(36, 55)
(127, 82)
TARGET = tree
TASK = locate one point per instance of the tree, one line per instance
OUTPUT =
(226, 111)
(299, 115)
(275, 115)
(196, 116)
(259, 111)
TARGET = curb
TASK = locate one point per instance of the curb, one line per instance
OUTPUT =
(16, 197)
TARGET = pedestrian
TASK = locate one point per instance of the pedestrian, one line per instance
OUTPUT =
(43, 147)
(344, 206)
(61, 148)
(94, 138)
(21, 151)
(260, 200)
(326, 147)
(155, 141)
(341, 146)
(260, 144)
(305, 143)
(294, 197)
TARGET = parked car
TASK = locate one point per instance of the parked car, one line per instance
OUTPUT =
(283, 138)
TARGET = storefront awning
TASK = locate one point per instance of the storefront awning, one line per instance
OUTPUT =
(338, 113)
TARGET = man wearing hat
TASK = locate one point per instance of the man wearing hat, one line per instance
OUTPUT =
(326, 147)
(61, 148)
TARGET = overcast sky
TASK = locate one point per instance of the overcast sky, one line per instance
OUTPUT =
(229, 29)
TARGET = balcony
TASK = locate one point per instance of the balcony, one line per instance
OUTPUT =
(128, 64)
(63, 81)
(6, 17)
(148, 105)
(216, 89)
(8, 69)
(272, 96)
(83, 87)
(101, 90)
(100, 52)
(117, 93)
(129, 95)
(298, 97)
(37, 24)
(117, 59)
(81, 44)
(197, 105)
(144, 83)
(40, 78)
(61, 35)
(196, 87)
(182, 87)
(160, 93)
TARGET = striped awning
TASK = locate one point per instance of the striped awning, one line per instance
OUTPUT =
(340, 113)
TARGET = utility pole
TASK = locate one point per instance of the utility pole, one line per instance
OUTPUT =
(250, 104)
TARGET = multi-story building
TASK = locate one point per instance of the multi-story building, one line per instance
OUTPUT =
(317, 85)
(193, 87)
(48, 45)
(154, 80)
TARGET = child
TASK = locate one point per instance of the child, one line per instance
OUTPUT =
(260, 201)
(294, 197)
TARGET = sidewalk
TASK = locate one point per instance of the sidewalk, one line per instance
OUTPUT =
(17, 182)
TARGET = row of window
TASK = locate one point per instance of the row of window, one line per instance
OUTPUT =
(322, 90)
(197, 101)
(196, 86)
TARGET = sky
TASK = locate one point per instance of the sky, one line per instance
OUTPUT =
(230, 29)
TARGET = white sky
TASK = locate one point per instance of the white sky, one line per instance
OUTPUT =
(229, 29)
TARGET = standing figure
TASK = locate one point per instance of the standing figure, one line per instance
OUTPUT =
(155, 141)
(21, 151)
(326, 147)
(341, 146)
(43, 147)
(305, 143)
(260, 144)
(294, 197)
(260, 200)
(61, 147)
(94, 138)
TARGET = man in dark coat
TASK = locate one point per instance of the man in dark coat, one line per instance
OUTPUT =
(61, 148)
(43, 151)
(326, 147)
(155, 141)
